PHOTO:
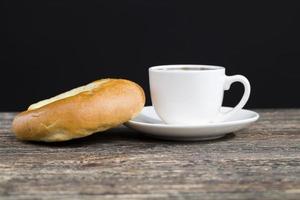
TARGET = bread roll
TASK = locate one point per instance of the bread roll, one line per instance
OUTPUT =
(95, 107)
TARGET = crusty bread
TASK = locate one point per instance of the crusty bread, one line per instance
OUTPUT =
(95, 107)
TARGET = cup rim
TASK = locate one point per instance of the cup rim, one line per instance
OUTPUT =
(159, 68)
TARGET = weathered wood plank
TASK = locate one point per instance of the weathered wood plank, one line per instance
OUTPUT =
(260, 162)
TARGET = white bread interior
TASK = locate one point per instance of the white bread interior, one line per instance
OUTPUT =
(73, 92)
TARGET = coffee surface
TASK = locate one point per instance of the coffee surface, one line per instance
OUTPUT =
(188, 69)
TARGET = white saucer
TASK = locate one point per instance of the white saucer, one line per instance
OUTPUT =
(149, 123)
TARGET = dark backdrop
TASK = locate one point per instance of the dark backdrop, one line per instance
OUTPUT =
(47, 47)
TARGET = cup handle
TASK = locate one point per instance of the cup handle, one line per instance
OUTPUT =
(247, 88)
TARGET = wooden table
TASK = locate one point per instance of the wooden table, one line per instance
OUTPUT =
(261, 162)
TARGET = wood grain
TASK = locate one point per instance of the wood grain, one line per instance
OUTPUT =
(260, 162)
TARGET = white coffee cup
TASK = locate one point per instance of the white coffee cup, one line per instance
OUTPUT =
(192, 94)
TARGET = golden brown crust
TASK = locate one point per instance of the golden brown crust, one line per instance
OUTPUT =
(110, 104)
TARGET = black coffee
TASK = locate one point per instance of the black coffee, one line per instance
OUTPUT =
(188, 68)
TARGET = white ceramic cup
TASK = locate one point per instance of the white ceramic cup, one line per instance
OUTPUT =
(192, 94)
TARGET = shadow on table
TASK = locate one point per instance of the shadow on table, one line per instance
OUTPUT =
(124, 135)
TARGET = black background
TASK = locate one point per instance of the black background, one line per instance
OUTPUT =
(47, 47)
